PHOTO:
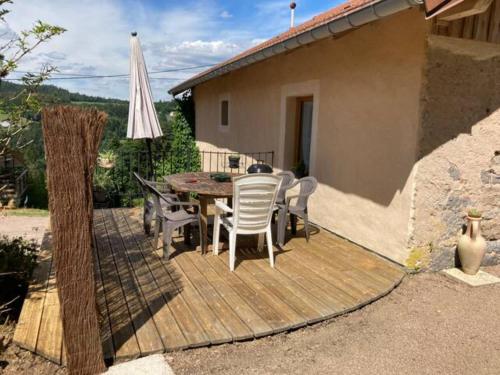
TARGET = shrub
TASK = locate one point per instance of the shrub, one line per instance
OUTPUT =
(17, 261)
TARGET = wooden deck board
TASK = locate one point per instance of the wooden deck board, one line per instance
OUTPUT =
(150, 305)
(145, 330)
(241, 308)
(28, 326)
(157, 295)
(124, 340)
(50, 340)
(172, 285)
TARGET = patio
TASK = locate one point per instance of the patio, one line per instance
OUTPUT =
(148, 305)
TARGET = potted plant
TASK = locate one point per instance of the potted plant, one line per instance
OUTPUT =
(234, 161)
(472, 245)
(299, 169)
(103, 184)
(107, 159)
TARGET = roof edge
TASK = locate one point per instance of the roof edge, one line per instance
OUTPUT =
(345, 21)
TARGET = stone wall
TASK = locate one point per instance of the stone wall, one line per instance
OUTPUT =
(459, 150)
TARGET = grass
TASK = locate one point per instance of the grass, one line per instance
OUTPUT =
(30, 212)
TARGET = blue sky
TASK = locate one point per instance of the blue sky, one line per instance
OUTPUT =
(174, 34)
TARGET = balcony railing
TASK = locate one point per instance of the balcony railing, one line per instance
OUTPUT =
(116, 184)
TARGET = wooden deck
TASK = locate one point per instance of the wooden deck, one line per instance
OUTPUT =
(151, 306)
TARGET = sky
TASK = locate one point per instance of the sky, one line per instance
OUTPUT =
(174, 35)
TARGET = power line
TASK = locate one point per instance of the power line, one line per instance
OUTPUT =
(81, 76)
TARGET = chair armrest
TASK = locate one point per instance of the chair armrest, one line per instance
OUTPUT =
(221, 206)
(174, 201)
(288, 199)
(161, 185)
(171, 196)
(292, 185)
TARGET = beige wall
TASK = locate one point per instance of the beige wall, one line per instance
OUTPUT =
(366, 88)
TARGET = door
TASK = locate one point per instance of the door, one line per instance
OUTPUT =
(303, 135)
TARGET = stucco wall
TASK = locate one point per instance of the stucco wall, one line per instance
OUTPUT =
(459, 165)
(366, 88)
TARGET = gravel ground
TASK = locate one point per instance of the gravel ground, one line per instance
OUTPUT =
(430, 324)
(24, 226)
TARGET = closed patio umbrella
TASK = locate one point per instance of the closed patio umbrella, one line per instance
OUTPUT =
(142, 118)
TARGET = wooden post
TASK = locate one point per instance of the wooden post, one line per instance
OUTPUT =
(72, 136)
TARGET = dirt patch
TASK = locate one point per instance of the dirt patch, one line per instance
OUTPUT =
(16, 361)
(429, 325)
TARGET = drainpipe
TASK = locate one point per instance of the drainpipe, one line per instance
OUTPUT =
(354, 19)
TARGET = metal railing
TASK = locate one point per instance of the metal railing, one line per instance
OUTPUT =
(13, 180)
(117, 180)
(21, 185)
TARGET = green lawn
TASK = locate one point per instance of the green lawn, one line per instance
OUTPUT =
(25, 212)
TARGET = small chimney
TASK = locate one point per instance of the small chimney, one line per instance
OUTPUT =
(293, 5)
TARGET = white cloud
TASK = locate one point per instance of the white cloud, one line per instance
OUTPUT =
(225, 14)
(97, 40)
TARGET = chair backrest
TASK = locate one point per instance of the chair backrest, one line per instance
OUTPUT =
(157, 197)
(254, 196)
(142, 184)
(307, 186)
(287, 180)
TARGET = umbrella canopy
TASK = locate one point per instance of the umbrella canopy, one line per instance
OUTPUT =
(142, 118)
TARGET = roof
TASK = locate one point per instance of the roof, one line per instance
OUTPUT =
(336, 13)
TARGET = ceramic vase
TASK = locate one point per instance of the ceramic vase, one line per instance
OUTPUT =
(471, 246)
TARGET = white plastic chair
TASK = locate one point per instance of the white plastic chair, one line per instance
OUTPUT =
(253, 203)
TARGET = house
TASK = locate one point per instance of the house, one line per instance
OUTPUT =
(397, 116)
(13, 179)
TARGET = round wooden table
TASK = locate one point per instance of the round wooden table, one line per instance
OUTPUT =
(206, 188)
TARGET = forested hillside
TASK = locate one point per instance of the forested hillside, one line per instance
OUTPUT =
(114, 140)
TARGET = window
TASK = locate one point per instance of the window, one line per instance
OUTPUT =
(224, 118)
(224, 113)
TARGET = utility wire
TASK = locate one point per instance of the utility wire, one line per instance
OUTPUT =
(78, 76)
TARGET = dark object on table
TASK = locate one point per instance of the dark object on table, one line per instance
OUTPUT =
(220, 177)
(260, 168)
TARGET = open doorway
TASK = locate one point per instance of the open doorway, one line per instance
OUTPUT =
(298, 127)
(303, 132)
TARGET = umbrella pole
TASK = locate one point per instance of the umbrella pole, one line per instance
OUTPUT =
(150, 156)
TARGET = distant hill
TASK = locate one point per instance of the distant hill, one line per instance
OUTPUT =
(114, 138)
(116, 109)
(53, 94)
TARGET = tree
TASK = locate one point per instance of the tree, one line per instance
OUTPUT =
(18, 111)
(183, 155)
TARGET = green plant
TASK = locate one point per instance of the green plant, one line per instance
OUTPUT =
(107, 155)
(17, 257)
(475, 213)
(17, 261)
(103, 181)
(20, 109)
(107, 159)
(299, 169)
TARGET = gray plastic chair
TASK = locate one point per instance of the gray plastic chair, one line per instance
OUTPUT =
(149, 208)
(308, 186)
(287, 180)
(168, 221)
